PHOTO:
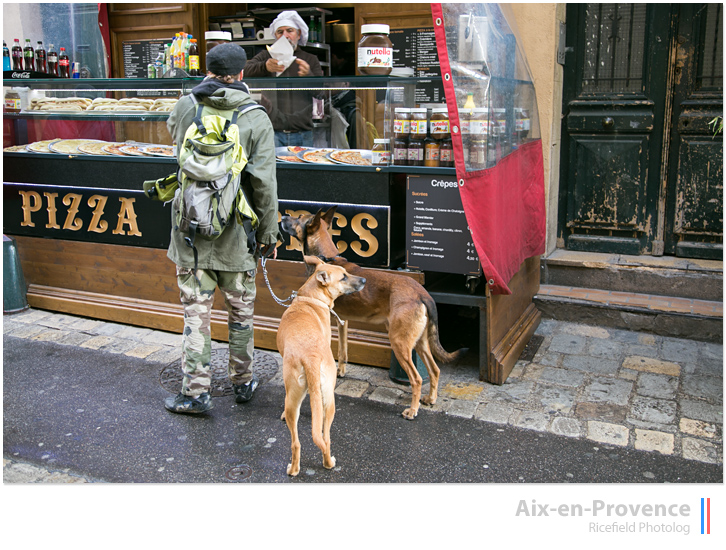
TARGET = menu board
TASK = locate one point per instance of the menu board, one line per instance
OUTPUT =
(437, 234)
(416, 49)
(139, 53)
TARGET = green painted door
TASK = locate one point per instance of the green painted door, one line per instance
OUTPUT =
(640, 172)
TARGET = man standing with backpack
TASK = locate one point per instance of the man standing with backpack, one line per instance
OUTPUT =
(229, 258)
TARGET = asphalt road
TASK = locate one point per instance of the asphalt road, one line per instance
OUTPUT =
(101, 416)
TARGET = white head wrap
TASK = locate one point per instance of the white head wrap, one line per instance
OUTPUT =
(291, 19)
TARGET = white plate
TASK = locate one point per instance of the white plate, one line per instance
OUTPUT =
(365, 153)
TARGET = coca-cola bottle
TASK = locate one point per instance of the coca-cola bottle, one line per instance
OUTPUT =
(41, 63)
(29, 56)
(64, 64)
(52, 61)
(17, 56)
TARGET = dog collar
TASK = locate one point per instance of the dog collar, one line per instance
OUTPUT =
(320, 303)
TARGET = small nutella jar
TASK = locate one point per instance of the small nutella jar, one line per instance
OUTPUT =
(478, 154)
(479, 123)
(446, 154)
(400, 152)
(419, 124)
(401, 122)
(381, 152)
(375, 50)
(439, 125)
(416, 152)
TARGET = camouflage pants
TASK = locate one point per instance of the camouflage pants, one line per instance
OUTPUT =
(239, 293)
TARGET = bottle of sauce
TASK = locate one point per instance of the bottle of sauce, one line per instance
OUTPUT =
(194, 58)
(17, 56)
(64, 64)
(41, 63)
(381, 152)
(29, 56)
(400, 151)
(7, 66)
(52, 61)
(375, 50)
(432, 150)
(12, 101)
(446, 154)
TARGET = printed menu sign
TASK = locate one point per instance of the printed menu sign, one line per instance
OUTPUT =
(138, 54)
(416, 49)
(437, 235)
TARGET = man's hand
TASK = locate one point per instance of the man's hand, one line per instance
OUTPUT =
(304, 68)
(265, 250)
(273, 66)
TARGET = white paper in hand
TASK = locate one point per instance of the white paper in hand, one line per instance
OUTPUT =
(282, 52)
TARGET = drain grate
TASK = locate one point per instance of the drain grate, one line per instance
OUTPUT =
(265, 367)
(530, 350)
(238, 473)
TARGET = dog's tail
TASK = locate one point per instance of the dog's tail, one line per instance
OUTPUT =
(318, 412)
(432, 333)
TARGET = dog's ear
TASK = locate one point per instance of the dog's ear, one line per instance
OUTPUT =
(315, 222)
(312, 260)
(323, 277)
(328, 216)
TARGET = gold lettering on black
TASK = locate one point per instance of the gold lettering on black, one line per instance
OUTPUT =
(73, 201)
(342, 222)
(127, 216)
(98, 203)
(31, 203)
(52, 210)
(364, 234)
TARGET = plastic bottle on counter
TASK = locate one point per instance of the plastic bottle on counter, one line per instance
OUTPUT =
(64, 64)
(28, 56)
(41, 62)
(381, 152)
(52, 61)
(17, 56)
(469, 101)
(194, 58)
(6, 58)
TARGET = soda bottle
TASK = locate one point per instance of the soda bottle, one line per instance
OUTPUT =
(17, 56)
(64, 64)
(6, 58)
(52, 61)
(41, 63)
(159, 65)
(194, 58)
(29, 56)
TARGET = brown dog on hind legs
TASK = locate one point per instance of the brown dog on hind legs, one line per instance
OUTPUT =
(400, 303)
(308, 365)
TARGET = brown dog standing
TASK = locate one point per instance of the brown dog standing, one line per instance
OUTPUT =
(308, 365)
(399, 302)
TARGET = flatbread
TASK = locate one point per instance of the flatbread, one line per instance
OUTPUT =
(68, 146)
(290, 158)
(41, 146)
(318, 156)
(93, 148)
(15, 149)
(350, 157)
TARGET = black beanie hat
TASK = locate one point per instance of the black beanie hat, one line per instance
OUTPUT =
(226, 59)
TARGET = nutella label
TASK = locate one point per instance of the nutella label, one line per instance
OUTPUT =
(375, 57)
(439, 126)
(12, 104)
(419, 127)
(479, 127)
(380, 157)
(401, 126)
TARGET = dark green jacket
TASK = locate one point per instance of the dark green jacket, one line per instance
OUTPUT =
(229, 252)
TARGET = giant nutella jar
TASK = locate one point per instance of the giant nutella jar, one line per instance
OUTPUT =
(375, 50)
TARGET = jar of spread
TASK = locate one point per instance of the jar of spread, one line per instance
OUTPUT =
(522, 123)
(381, 153)
(416, 152)
(419, 124)
(500, 116)
(478, 154)
(401, 122)
(432, 149)
(400, 152)
(479, 123)
(375, 50)
(446, 154)
(12, 101)
(215, 38)
(439, 125)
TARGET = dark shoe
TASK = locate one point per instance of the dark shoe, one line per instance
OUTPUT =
(243, 392)
(186, 404)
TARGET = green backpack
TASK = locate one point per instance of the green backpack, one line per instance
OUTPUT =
(207, 194)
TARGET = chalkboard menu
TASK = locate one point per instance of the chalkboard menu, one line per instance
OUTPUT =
(139, 53)
(416, 49)
(437, 234)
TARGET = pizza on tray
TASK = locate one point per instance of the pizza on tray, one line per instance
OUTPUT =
(350, 157)
(318, 155)
(296, 149)
(290, 158)
(115, 149)
(159, 150)
(134, 150)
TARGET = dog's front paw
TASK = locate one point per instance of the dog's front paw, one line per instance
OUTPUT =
(341, 370)
(329, 464)
(428, 400)
(292, 471)
(409, 414)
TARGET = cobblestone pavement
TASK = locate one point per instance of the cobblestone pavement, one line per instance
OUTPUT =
(613, 387)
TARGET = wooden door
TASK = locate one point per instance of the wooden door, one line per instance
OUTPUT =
(639, 170)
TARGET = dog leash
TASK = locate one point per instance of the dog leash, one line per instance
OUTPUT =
(283, 303)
